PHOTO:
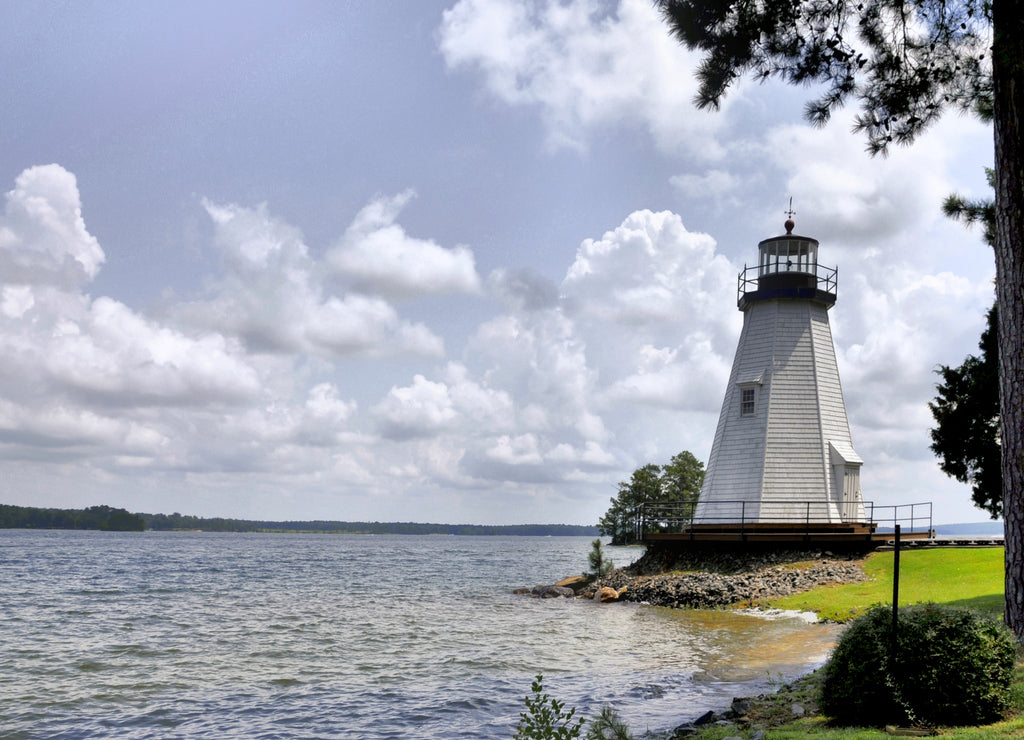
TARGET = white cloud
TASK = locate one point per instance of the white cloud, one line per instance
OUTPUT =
(58, 427)
(519, 450)
(650, 291)
(523, 289)
(89, 378)
(43, 238)
(583, 65)
(379, 256)
(15, 300)
(422, 409)
(648, 270)
(488, 409)
(272, 296)
(60, 344)
(842, 193)
(117, 356)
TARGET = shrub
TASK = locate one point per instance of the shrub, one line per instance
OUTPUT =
(952, 667)
(599, 564)
(544, 718)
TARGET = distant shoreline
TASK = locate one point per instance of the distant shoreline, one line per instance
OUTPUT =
(27, 517)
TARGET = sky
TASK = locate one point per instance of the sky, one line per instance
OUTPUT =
(464, 261)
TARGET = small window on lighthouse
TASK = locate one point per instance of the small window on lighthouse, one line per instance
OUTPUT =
(746, 401)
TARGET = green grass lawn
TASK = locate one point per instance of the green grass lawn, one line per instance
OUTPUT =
(968, 577)
(971, 578)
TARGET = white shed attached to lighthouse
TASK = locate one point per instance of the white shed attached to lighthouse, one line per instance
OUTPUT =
(782, 453)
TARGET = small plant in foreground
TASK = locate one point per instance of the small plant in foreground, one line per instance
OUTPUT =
(952, 667)
(608, 725)
(599, 564)
(544, 718)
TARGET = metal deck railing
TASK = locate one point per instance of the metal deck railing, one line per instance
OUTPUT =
(805, 517)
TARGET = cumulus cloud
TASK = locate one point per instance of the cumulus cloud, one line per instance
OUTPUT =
(523, 289)
(43, 239)
(545, 386)
(649, 270)
(844, 193)
(581, 65)
(272, 296)
(59, 343)
(379, 256)
(663, 294)
(422, 409)
(90, 378)
(455, 403)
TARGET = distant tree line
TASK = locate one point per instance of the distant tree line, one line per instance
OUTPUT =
(107, 518)
(178, 522)
(103, 518)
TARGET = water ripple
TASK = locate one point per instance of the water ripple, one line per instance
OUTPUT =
(193, 635)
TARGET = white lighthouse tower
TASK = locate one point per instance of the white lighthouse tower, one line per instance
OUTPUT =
(782, 455)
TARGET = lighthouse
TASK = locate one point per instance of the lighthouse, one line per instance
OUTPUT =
(782, 454)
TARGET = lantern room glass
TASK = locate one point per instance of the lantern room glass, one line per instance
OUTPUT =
(788, 255)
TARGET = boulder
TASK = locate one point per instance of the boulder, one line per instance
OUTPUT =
(576, 583)
(552, 592)
(606, 594)
(706, 719)
(740, 707)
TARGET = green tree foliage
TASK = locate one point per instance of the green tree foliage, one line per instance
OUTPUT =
(682, 478)
(619, 522)
(599, 564)
(974, 211)
(952, 667)
(545, 718)
(104, 518)
(966, 412)
(905, 62)
(678, 482)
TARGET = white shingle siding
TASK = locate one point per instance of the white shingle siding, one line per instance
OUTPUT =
(778, 461)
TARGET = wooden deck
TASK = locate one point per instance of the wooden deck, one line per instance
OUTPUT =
(862, 535)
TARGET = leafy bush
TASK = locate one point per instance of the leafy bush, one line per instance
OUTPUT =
(952, 667)
(544, 718)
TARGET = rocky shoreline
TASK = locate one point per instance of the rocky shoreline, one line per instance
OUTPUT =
(711, 579)
(711, 590)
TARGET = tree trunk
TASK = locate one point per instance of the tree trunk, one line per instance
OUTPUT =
(1008, 79)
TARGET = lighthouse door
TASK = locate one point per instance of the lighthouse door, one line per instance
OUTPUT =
(851, 493)
(846, 493)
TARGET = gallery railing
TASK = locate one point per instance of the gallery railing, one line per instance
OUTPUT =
(678, 517)
(756, 279)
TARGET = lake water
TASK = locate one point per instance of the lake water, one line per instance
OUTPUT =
(201, 635)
